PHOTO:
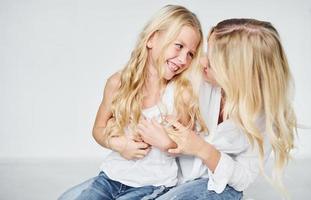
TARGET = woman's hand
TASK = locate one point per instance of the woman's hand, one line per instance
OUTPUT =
(188, 142)
(129, 148)
(154, 134)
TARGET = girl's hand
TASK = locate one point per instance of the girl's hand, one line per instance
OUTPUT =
(188, 142)
(128, 148)
(154, 134)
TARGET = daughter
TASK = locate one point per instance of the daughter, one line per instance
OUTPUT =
(151, 85)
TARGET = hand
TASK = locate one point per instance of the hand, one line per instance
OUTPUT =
(128, 148)
(188, 142)
(132, 133)
(154, 134)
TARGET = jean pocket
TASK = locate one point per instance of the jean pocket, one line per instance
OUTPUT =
(104, 175)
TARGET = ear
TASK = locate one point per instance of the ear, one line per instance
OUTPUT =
(152, 40)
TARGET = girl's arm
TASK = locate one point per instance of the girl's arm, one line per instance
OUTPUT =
(104, 111)
(127, 147)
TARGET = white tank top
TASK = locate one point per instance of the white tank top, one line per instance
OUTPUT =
(156, 168)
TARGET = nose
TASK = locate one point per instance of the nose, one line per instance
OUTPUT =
(182, 58)
(203, 61)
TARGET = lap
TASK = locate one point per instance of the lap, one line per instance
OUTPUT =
(197, 190)
(143, 193)
(102, 187)
(75, 191)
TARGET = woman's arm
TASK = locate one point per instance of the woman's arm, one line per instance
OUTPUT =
(190, 143)
(154, 134)
(229, 157)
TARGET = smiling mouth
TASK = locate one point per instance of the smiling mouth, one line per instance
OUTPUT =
(172, 66)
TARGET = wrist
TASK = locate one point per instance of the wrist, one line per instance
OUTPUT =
(169, 144)
(117, 143)
(203, 149)
(209, 155)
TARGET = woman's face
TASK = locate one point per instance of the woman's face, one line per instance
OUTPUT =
(208, 73)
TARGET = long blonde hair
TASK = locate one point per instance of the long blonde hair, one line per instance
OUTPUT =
(127, 104)
(251, 67)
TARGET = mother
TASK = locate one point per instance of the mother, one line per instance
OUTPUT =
(247, 108)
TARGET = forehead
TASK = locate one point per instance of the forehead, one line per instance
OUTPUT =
(189, 37)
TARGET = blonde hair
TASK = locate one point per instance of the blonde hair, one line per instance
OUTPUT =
(251, 67)
(127, 104)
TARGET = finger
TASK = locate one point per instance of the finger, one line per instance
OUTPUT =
(136, 134)
(174, 122)
(139, 156)
(174, 136)
(142, 145)
(174, 151)
(133, 135)
(143, 152)
(141, 127)
(137, 138)
(142, 132)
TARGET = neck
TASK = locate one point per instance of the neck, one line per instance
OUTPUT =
(153, 86)
(153, 77)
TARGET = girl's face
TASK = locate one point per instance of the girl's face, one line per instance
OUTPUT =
(179, 54)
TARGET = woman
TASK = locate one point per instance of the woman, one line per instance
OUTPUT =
(247, 109)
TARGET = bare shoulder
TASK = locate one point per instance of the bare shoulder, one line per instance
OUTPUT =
(113, 82)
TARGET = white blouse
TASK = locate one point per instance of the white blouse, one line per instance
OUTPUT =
(157, 168)
(239, 163)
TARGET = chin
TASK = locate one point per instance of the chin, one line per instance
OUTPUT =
(168, 77)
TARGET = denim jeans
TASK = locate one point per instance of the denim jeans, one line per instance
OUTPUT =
(197, 190)
(75, 191)
(103, 188)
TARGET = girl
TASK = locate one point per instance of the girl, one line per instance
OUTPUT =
(248, 111)
(151, 85)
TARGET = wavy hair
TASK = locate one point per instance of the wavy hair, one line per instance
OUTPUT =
(250, 65)
(127, 104)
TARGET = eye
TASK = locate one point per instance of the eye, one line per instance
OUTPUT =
(179, 46)
(191, 54)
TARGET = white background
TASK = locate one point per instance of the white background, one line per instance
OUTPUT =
(55, 57)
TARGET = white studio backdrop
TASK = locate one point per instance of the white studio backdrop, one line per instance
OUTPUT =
(55, 57)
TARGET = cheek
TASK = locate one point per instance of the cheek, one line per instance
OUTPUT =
(171, 52)
(208, 76)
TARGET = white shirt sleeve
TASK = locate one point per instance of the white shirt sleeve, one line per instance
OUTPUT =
(239, 163)
(237, 174)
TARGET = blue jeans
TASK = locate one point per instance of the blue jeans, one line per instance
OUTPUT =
(75, 191)
(103, 188)
(197, 190)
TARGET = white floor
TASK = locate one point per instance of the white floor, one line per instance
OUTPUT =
(40, 179)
